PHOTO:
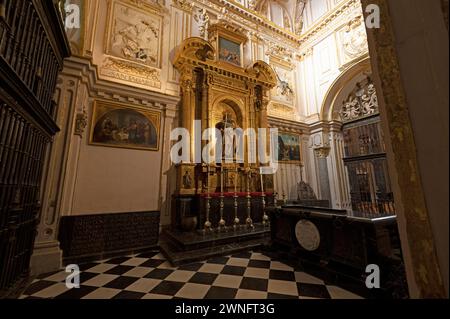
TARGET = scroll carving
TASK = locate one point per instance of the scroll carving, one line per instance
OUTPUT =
(362, 102)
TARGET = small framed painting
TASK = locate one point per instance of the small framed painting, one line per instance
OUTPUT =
(124, 126)
(289, 147)
(230, 51)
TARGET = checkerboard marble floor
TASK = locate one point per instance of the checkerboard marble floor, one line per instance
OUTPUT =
(245, 275)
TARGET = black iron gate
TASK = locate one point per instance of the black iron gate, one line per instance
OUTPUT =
(366, 164)
(32, 47)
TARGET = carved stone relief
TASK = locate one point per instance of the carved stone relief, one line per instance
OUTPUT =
(202, 18)
(362, 102)
(320, 143)
(133, 42)
(298, 19)
(354, 39)
(80, 123)
(284, 92)
(135, 35)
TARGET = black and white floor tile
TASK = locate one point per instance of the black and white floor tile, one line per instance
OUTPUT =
(246, 275)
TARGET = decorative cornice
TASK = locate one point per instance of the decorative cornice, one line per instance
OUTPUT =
(251, 19)
(185, 5)
(328, 22)
(287, 125)
(281, 53)
(85, 70)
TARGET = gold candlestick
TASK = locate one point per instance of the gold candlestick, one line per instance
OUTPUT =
(208, 205)
(235, 180)
(222, 223)
(236, 218)
(261, 180)
(265, 218)
(249, 220)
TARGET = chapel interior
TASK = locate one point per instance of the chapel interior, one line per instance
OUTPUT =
(106, 110)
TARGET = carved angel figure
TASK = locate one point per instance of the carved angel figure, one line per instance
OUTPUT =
(284, 86)
(202, 18)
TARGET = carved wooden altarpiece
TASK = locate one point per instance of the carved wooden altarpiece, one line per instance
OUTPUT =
(214, 89)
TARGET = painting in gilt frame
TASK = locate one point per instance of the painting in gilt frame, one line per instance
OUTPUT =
(230, 51)
(289, 147)
(124, 126)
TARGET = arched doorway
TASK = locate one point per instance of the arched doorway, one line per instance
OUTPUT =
(359, 178)
(365, 153)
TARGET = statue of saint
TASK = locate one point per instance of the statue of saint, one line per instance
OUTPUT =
(187, 180)
(226, 128)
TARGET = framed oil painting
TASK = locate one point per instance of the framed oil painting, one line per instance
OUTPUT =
(289, 147)
(124, 126)
(230, 51)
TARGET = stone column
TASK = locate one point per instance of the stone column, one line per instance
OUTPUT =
(168, 178)
(188, 105)
(72, 99)
(339, 184)
(321, 149)
(180, 19)
(409, 56)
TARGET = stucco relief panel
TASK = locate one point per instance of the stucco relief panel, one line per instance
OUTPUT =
(133, 44)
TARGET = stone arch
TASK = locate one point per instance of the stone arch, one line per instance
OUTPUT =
(341, 88)
(235, 104)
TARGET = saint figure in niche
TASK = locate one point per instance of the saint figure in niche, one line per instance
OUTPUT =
(226, 128)
(187, 180)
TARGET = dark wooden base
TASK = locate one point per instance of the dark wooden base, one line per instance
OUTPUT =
(347, 246)
(185, 247)
(95, 237)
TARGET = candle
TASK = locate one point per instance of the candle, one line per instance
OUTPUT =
(221, 178)
(235, 181)
(207, 181)
(262, 183)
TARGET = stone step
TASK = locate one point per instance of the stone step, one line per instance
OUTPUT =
(180, 257)
(195, 240)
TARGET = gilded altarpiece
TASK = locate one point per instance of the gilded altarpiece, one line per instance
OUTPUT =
(215, 92)
(221, 94)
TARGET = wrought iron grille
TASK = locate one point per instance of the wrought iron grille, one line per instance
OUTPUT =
(32, 48)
